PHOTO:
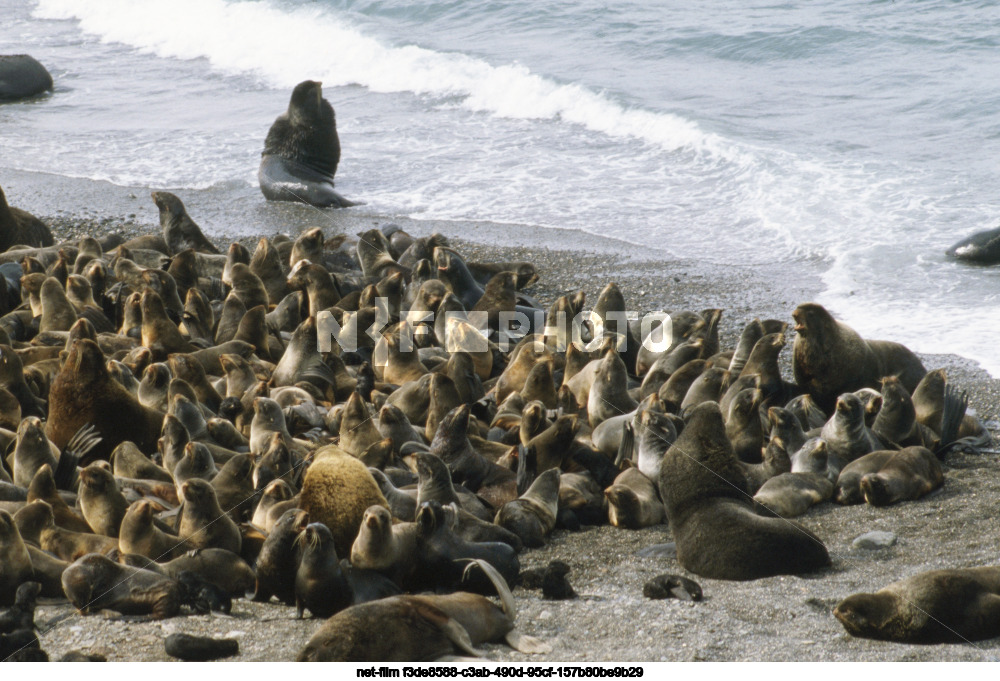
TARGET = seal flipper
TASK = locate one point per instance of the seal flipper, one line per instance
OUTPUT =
(529, 645)
(527, 465)
(627, 445)
(454, 631)
(78, 446)
(952, 414)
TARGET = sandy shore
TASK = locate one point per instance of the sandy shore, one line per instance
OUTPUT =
(782, 618)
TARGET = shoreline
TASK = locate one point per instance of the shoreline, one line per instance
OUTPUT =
(780, 618)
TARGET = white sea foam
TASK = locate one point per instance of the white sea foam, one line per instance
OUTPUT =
(278, 44)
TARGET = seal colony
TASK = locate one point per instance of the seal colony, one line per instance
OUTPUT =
(186, 431)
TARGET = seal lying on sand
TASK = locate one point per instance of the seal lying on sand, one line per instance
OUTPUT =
(941, 606)
(302, 151)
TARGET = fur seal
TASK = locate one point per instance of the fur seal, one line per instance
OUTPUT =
(31, 451)
(302, 151)
(200, 648)
(941, 606)
(139, 535)
(846, 433)
(829, 358)
(336, 491)
(633, 501)
(791, 494)
(20, 227)
(202, 522)
(411, 630)
(718, 534)
(84, 393)
(101, 502)
(325, 585)
(672, 586)
(982, 248)
(21, 614)
(276, 564)
(443, 553)
(385, 546)
(179, 230)
(532, 516)
(15, 568)
(95, 582)
(886, 477)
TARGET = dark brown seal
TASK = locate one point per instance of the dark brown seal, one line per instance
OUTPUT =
(718, 534)
(84, 393)
(302, 151)
(830, 358)
(20, 227)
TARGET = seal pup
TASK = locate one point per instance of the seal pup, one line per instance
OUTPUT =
(21, 614)
(718, 534)
(179, 230)
(302, 151)
(940, 606)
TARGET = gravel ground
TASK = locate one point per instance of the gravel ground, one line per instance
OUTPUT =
(781, 618)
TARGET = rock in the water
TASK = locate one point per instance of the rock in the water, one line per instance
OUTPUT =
(22, 76)
(874, 540)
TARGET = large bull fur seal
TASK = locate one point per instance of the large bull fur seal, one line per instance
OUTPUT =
(718, 533)
(302, 151)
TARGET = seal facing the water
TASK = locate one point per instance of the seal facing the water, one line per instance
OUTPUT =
(302, 151)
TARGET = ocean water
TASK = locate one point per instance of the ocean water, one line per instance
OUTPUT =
(856, 138)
